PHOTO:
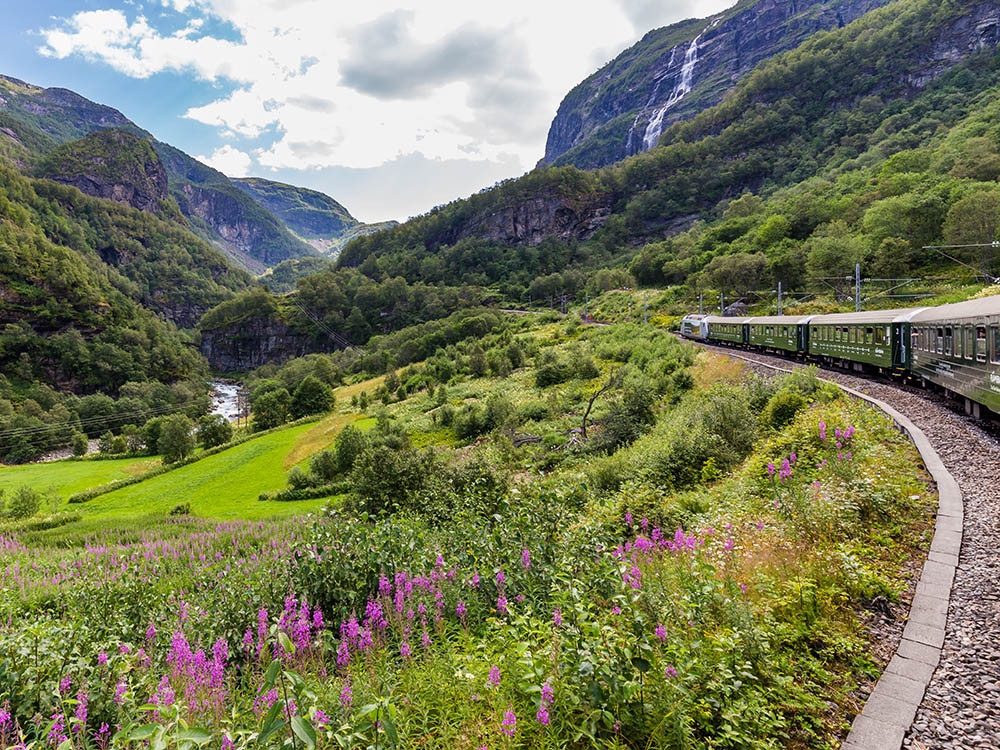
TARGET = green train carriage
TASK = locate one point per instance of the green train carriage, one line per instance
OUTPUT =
(957, 347)
(876, 338)
(730, 330)
(784, 332)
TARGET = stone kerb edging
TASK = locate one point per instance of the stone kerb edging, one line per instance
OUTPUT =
(890, 709)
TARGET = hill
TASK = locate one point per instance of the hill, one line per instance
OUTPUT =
(675, 72)
(33, 120)
(313, 216)
(113, 164)
(844, 100)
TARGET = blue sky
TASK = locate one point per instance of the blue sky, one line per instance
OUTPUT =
(389, 108)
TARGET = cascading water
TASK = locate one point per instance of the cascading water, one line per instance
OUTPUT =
(682, 89)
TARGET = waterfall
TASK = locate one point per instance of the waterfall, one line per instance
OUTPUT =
(682, 89)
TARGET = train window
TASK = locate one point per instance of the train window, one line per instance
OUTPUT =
(981, 343)
(948, 342)
(880, 335)
(939, 341)
(869, 335)
(970, 343)
(996, 345)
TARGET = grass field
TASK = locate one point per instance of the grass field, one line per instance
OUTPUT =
(225, 485)
(67, 477)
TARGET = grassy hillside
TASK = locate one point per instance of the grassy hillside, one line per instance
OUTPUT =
(65, 478)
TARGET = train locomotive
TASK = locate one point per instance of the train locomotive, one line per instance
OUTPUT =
(954, 347)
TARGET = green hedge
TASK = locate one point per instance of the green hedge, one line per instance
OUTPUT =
(290, 494)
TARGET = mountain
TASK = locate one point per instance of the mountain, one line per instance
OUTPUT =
(313, 216)
(675, 72)
(34, 120)
(113, 164)
(882, 84)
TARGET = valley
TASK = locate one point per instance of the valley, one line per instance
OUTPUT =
(579, 460)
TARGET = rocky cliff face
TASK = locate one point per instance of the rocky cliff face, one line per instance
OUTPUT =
(254, 342)
(675, 72)
(978, 30)
(530, 221)
(112, 164)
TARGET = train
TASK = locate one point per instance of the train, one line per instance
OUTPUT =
(953, 347)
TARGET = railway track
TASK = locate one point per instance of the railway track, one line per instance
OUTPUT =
(960, 708)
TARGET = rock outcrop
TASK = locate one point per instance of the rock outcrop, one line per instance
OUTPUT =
(530, 221)
(253, 342)
(113, 164)
(677, 71)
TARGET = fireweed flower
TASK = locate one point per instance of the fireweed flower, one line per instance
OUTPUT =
(661, 633)
(509, 724)
(404, 650)
(500, 577)
(670, 671)
(120, 689)
(526, 559)
(557, 617)
(475, 580)
(494, 677)
(460, 610)
(502, 605)
(628, 518)
(346, 699)
(770, 468)
(80, 714)
(102, 659)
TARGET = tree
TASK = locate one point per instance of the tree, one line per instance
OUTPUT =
(387, 479)
(271, 409)
(151, 434)
(79, 444)
(739, 272)
(214, 429)
(973, 220)
(105, 443)
(477, 361)
(313, 396)
(119, 445)
(176, 440)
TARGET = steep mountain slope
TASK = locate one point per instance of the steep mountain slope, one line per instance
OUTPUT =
(314, 216)
(72, 320)
(113, 164)
(675, 72)
(831, 100)
(218, 211)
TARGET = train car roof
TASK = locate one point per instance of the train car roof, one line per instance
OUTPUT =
(972, 308)
(720, 319)
(900, 315)
(694, 316)
(779, 319)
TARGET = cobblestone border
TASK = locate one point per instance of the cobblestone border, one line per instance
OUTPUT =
(890, 709)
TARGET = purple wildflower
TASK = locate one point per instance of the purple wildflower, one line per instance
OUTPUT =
(509, 724)
(526, 559)
(557, 617)
(661, 633)
(494, 677)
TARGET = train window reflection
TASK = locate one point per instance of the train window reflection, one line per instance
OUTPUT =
(981, 343)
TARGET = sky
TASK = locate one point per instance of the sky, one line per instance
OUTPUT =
(389, 108)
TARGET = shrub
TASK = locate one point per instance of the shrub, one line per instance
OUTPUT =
(386, 480)
(181, 509)
(298, 479)
(176, 440)
(119, 445)
(471, 421)
(782, 408)
(105, 443)
(533, 411)
(151, 434)
(24, 502)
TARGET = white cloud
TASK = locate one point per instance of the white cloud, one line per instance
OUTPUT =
(230, 161)
(365, 84)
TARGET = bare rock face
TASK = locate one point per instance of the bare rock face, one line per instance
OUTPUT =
(112, 164)
(677, 71)
(978, 30)
(254, 342)
(531, 221)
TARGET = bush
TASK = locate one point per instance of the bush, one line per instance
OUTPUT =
(312, 396)
(24, 502)
(533, 411)
(386, 480)
(213, 430)
(298, 479)
(151, 434)
(782, 408)
(105, 443)
(471, 421)
(119, 445)
(181, 509)
(176, 440)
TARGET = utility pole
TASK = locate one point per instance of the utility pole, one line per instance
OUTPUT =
(779, 298)
(644, 319)
(722, 304)
(586, 306)
(701, 303)
(857, 287)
